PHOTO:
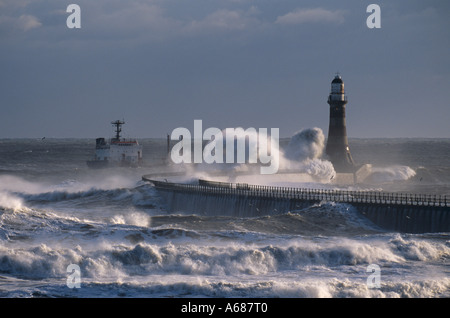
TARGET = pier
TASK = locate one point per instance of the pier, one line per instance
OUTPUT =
(402, 212)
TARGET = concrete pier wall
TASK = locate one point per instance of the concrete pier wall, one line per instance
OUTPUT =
(408, 219)
(229, 204)
(410, 213)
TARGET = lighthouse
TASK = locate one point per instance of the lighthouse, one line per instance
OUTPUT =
(337, 147)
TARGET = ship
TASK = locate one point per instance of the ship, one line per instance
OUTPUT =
(118, 152)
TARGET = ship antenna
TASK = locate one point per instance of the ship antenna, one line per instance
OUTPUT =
(118, 124)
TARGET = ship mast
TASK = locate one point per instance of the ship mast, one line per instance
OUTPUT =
(118, 124)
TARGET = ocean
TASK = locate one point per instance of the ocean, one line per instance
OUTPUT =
(70, 231)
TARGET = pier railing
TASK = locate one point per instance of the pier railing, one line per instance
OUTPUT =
(306, 194)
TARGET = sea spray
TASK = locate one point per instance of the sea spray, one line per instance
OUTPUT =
(305, 144)
(10, 201)
(231, 145)
(12, 183)
(303, 153)
(133, 218)
(390, 174)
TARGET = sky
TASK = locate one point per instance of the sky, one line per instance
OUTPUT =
(161, 64)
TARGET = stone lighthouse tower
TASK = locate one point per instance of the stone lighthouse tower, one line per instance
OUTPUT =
(337, 144)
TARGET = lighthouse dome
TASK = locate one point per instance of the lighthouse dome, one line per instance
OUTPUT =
(337, 80)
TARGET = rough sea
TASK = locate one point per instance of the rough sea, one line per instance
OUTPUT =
(70, 231)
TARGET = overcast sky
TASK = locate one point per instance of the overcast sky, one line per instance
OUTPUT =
(232, 63)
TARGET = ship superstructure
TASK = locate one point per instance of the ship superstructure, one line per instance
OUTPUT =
(117, 152)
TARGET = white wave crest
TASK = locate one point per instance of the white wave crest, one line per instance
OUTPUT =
(10, 201)
(133, 218)
(320, 267)
(390, 174)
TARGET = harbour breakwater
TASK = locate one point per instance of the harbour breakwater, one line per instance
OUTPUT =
(409, 213)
